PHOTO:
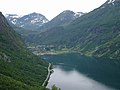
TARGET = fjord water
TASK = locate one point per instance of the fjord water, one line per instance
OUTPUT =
(77, 72)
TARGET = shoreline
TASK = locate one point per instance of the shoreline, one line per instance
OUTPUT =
(83, 54)
(48, 76)
(56, 53)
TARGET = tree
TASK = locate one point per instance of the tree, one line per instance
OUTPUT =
(55, 88)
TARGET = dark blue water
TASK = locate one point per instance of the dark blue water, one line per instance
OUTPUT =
(77, 72)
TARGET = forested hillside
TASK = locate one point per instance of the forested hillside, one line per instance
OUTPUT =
(19, 69)
(96, 33)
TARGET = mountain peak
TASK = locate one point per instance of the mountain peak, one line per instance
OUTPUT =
(12, 17)
(8, 32)
(67, 11)
(31, 21)
(64, 18)
(111, 1)
(13, 57)
(70, 14)
(34, 13)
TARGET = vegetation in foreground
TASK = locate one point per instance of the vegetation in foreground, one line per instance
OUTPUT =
(19, 69)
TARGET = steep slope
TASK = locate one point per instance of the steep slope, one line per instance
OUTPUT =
(19, 69)
(96, 33)
(31, 21)
(63, 18)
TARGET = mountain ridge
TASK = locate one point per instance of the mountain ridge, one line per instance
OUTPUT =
(40, 23)
(19, 68)
(93, 34)
(30, 21)
(61, 19)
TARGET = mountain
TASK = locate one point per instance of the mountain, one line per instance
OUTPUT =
(19, 69)
(96, 33)
(78, 14)
(12, 18)
(31, 21)
(63, 18)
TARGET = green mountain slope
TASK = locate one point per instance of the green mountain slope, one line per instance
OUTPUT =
(96, 33)
(62, 19)
(19, 69)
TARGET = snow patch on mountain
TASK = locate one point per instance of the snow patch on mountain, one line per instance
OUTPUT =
(32, 20)
(14, 21)
(36, 20)
(111, 1)
(78, 14)
(13, 17)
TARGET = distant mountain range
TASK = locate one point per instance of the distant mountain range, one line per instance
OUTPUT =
(96, 33)
(36, 21)
(30, 22)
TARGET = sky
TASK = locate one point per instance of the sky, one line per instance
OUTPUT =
(48, 8)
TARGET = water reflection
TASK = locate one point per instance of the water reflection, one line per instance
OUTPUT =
(73, 80)
(81, 73)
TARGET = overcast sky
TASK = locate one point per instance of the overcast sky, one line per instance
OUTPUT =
(49, 8)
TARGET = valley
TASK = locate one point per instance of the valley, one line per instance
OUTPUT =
(49, 50)
(73, 51)
(96, 33)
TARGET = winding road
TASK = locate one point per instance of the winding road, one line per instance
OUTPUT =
(49, 70)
